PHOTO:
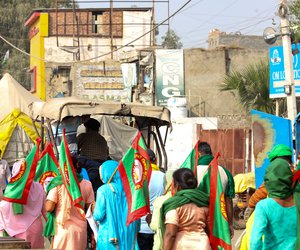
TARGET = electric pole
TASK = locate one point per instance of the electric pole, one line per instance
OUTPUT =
(288, 61)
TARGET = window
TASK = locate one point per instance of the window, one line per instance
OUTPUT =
(98, 22)
(33, 80)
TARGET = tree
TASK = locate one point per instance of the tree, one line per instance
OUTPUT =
(13, 14)
(251, 85)
(171, 40)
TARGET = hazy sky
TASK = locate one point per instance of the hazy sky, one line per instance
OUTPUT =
(194, 22)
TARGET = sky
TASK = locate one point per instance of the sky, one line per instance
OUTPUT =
(193, 23)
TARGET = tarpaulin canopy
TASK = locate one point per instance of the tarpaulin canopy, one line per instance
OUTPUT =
(15, 123)
(58, 108)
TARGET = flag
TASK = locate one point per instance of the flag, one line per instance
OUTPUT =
(69, 176)
(5, 58)
(18, 187)
(47, 165)
(135, 172)
(219, 227)
(191, 161)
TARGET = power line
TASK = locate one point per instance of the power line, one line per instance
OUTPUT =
(146, 33)
(108, 53)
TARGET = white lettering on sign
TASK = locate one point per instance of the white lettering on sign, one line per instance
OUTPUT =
(170, 68)
(173, 80)
(170, 91)
(297, 74)
(170, 79)
(278, 75)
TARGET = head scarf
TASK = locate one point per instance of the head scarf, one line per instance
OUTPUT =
(280, 150)
(16, 168)
(106, 171)
(278, 179)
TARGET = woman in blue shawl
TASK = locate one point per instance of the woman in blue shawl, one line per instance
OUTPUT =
(111, 212)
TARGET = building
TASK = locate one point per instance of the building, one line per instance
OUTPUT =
(217, 39)
(62, 39)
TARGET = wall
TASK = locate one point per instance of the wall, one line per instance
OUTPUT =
(38, 31)
(93, 45)
(234, 146)
(204, 73)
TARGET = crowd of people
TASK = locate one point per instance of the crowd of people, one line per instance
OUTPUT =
(179, 204)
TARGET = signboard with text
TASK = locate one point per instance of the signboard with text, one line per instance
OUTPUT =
(277, 73)
(169, 75)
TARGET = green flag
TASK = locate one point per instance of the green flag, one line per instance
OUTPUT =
(5, 58)
(191, 161)
(69, 176)
(18, 187)
(219, 228)
(47, 165)
(135, 172)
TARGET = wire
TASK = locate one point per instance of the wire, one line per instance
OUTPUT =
(108, 53)
(134, 40)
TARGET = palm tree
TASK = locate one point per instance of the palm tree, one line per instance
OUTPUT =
(251, 84)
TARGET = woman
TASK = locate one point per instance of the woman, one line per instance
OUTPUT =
(275, 218)
(155, 224)
(71, 228)
(25, 225)
(111, 212)
(186, 214)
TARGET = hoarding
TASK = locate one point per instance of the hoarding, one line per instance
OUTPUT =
(277, 72)
(169, 75)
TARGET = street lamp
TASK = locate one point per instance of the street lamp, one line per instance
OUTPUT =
(270, 37)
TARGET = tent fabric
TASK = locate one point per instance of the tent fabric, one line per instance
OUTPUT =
(58, 108)
(13, 95)
(14, 113)
(10, 122)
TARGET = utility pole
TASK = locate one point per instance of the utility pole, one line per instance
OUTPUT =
(111, 30)
(288, 60)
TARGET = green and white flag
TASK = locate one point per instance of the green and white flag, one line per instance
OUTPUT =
(19, 185)
(135, 171)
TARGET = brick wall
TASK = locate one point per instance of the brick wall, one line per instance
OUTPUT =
(67, 25)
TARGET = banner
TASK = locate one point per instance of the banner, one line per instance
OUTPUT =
(47, 165)
(169, 75)
(19, 185)
(135, 172)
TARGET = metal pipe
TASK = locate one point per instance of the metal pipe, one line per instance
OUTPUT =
(163, 149)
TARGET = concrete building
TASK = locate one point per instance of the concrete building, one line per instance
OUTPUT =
(61, 39)
(205, 71)
(217, 39)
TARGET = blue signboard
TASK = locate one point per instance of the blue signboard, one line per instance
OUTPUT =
(268, 131)
(277, 73)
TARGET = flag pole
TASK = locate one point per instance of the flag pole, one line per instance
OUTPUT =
(168, 188)
(113, 174)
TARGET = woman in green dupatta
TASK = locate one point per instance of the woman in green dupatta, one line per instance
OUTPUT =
(185, 215)
(275, 217)
(66, 225)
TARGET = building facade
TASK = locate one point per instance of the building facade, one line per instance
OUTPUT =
(60, 40)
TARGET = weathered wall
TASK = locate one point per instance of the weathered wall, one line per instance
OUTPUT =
(93, 45)
(204, 73)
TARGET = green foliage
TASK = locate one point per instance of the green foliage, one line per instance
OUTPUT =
(294, 10)
(171, 40)
(13, 14)
(251, 85)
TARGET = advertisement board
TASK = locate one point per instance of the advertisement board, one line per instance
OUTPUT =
(277, 73)
(169, 75)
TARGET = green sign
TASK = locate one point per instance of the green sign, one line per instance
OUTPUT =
(169, 75)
